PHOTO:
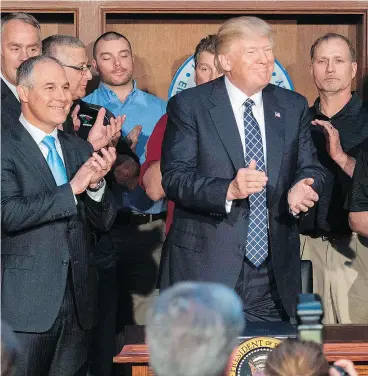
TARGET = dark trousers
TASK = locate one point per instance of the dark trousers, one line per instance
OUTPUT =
(104, 334)
(258, 290)
(61, 351)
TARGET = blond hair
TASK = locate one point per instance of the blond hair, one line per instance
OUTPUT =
(294, 357)
(240, 28)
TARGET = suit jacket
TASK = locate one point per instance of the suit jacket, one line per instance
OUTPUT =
(201, 154)
(45, 234)
(10, 106)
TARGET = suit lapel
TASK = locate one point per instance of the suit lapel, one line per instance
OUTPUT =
(69, 155)
(224, 120)
(274, 116)
(26, 145)
(9, 102)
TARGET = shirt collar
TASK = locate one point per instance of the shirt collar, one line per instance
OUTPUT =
(112, 96)
(351, 108)
(36, 133)
(12, 87)
(237, 97)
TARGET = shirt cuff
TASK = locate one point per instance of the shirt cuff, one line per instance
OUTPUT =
(97, 196)
(228, 206)
(295, 215)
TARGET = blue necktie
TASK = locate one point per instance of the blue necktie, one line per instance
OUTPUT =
(55, 162)
(257, 239)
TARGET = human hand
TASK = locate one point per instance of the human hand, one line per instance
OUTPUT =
(102, 164)
(133, 136)
(346, 365)
(247, 181)
(75, 118)
(101, 135)
(302, 196)
(333, 144)
(82, 178)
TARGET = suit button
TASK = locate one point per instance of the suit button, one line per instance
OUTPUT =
(65, 262)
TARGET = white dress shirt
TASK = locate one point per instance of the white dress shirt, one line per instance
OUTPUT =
(237, 99)
(10, 86)
(38, 135)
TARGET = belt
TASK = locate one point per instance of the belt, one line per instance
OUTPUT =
(130, 218)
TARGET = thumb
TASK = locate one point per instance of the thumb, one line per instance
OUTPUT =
(76, 110)
(252, 164)
(309, 181)
(100, 116)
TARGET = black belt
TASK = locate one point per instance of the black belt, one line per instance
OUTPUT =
(129, 218)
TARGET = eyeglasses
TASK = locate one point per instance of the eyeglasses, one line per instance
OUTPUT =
(83, 69)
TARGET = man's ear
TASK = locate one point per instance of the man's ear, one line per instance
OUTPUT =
(94, 64)
(224, 62)
(23, 92)
(354, 65)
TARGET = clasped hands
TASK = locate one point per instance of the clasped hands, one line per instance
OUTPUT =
(249, 180)
(93, 170)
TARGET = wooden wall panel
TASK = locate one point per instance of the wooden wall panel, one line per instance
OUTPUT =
(161, 46)
(164, 33)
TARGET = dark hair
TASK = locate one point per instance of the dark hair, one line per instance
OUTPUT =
(110, 35)
(25, 70)
(20, 16)
(330, 36)
(206, 44)
(295, 357)
(49, 43)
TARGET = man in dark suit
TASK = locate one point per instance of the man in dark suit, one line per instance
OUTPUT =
(53, 193)
(238, 162)
(72, 54)
(20, 39)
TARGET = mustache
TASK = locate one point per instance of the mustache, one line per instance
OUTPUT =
(119, 71)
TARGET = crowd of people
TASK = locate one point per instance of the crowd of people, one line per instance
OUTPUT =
(113, 196)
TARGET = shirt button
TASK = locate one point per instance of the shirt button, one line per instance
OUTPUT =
(65, 262)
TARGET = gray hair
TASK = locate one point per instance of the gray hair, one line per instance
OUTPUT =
(24, 72)
(20, 16)
(50, 44)
(329, 36)
(192, 329)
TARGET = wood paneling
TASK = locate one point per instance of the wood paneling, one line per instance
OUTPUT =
(161, 45)
(164, 33)
(52, 23)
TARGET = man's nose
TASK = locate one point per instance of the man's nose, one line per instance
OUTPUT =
(24, 55)
(330, 66)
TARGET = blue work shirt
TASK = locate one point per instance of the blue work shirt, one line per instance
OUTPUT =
(142, 109)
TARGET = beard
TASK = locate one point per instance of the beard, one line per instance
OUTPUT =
(117, 81)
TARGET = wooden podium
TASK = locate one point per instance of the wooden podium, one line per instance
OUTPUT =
(341, 341)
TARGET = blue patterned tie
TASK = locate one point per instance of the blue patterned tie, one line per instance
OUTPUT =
(257, 239)
(55, 162)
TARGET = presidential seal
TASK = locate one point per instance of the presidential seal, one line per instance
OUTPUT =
(184, 77)
(251, 356)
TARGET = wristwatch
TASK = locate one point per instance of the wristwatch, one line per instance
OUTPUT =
(99, 185)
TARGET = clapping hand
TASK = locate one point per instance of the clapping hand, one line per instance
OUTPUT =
(93, 170)
(247, 181)
(102, 163)
(133, 136)
(101, 135)
(302, 196)
(333, 144)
